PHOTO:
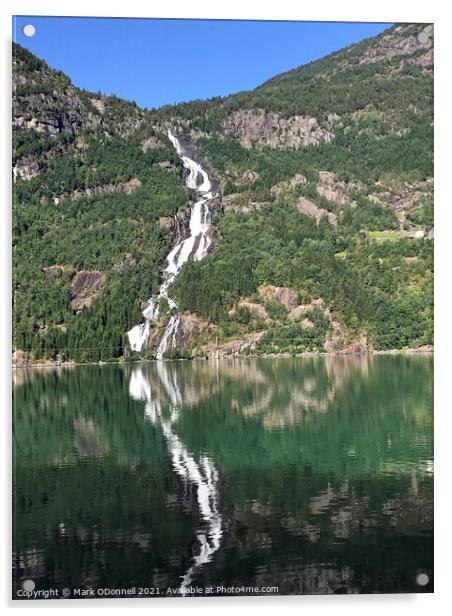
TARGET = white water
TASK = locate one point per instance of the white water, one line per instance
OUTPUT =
(202, 475)
(195, 247)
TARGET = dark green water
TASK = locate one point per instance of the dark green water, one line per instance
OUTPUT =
(311, 474)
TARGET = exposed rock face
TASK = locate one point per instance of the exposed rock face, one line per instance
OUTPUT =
(330, 189)
(396, 43)
(298, 312)
(310, 209)
(256, 310)
(404, 199)
(214, 236)
(45, 101)
(188, 328)
(197, 334)
(235, 203)
(253, 206)
(166, 222)
(233, 348)
(26, 168)
(99, 104)
(84, 287)
(307, 323)
(125, 187)
(150, 143)
(335, 340)
(286, 185)
(127, 259)
(284, 295)
(357, 347)
(53, 271)
(258, 128)
(130, 186)
(247, 177)
(425, 60)
(65, 115)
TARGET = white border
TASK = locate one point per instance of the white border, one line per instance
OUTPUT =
(329, 10)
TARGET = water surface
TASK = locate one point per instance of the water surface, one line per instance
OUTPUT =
(314, 475)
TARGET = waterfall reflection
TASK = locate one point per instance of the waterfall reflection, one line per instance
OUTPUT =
(201, 474)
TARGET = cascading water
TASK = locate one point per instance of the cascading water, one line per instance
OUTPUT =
(195, 247)
(202, 475)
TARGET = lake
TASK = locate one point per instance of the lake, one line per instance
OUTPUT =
(293, 476)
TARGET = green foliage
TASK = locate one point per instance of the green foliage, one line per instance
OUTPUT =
(295, 338)
(35, 144)
(425, 216)
(28, 61)
(91, 232)
(411, 152)
(276, 310)
(380, 115)
(370, 288)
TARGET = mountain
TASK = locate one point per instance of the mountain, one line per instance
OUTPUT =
(322, 218)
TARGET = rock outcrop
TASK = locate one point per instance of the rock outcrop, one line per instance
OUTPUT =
(284, 295)
(297, 180)
(310, 209)
(125, 187)
(255, 310)
(237, 203)
(125, 260)
(332, 190)
(26, 168)
(397, 43)
(84, 287)
(53, 271)
(259, 128)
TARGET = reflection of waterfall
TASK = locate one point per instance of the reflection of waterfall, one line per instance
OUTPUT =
(202, 475)
(195, 246)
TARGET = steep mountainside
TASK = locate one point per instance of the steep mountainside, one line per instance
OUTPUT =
(95, 195)
(323, 223)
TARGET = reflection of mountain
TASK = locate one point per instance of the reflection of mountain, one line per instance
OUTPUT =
(325, 467)
(346, 414)
(202, 475)
(20, 376)
(89, 439)
(312, 391)
(313, 384)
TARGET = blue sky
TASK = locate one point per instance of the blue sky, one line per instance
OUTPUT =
(159, 61)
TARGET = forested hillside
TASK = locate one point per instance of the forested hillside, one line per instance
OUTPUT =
(94, 191)
(324, 215)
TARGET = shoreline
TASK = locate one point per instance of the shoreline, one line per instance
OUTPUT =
(393, 352)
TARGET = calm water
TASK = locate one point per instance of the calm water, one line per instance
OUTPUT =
(314, 475)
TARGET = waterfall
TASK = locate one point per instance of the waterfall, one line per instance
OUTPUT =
(201, 474)
(195, 247)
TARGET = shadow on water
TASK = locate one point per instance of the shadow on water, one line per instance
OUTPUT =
(310, 474)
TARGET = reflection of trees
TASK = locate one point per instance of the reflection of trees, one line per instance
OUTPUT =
(353, 536)
(20, 376)
(100, 524)
(322, 460)
(351, 415)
